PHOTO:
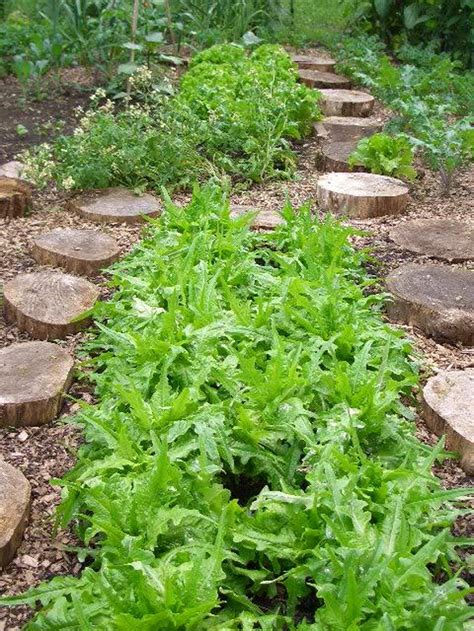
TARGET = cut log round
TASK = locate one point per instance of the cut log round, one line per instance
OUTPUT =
(346, 103)
(49, 305)
(314, 62)
(33, 378)
(346, 128)
(317, 79)
(15, 197)
(336, 156)
(446, 239)
(437, 299)
(15, 499)
(116, 205)
(77, 251)
(448, 406)
(362, 195)
(13, 169)
(265, 219)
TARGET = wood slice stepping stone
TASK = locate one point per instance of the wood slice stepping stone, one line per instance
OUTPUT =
(12, 169)
(448, 407)
(33, 379)
(265, 220)
(446, 239)
(362, 195)
(15, 197)
(438, 299)
(346, 128)
(346, 103)
(15, 499)
(336, 156)
(77, 251)
(317, 79)
(49, 304)
(116, 205)
(314, 62)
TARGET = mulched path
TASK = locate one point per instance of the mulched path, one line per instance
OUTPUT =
(49, 451)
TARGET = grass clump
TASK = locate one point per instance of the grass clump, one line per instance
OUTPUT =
(226, 356)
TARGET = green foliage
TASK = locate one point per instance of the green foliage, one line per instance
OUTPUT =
(233, 116)
(250, 464)
(386, 155)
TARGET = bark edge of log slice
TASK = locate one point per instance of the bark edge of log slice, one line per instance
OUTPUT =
(84, 252)
(362, 195)
(314, 62)
(338, 102)
(318, 79)
(447, 239)
(115, 205)
(33, 379)
(15, 197)
(448, 408)
(49, 304)
(436, 298)
(347, 128)
(15, 500)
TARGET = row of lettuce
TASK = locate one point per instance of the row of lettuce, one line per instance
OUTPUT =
(251, 462)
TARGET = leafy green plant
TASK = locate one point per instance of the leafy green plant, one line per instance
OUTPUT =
(384, 154)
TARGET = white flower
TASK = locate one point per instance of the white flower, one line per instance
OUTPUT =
(68, 183)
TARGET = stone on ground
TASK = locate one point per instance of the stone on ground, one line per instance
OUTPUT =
(346, 128)
(336, 156)
(317, 79)
(77, 251)
(346, 103)
(362, 195)
(447, 239)
(15, 197)
(116, 205)
(314, 62)
(15, 498)
(33, 378)
(438, 299)
(49, 304)
(12, 169)
(265, 219)
(448, 406)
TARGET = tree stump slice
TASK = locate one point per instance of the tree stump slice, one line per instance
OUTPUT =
(264, 220)
(448, 408)
(33, 379)
(346, 128)
(49, 305)
(15, 197)
(116, 205)
(346, 103)
(437, 299)
(15, 500)
(77, 251)
(336, 157)
(362, 195)
(446, 239)
(317, 79)
(314, 62)
(12, 169)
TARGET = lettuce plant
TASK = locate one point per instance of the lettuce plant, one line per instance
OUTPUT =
(386, 155)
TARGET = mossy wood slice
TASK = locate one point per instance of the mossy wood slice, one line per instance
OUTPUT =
(362, 195)
(49, 304)
(438, 299)
(15, 499)
(33, 378)
(77, 251)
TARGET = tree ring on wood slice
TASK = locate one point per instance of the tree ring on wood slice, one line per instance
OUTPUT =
(265, 219)
(438, 299)
(446, 239)
(346, 128)
(77, 251)
(116, 205)
(346, 103)
(49, 304)
(314, 62)
(448, 406)
(317, 79)
(15, 197)
(362, 195)
(33, 379)
(336, 156)
(15, 499)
